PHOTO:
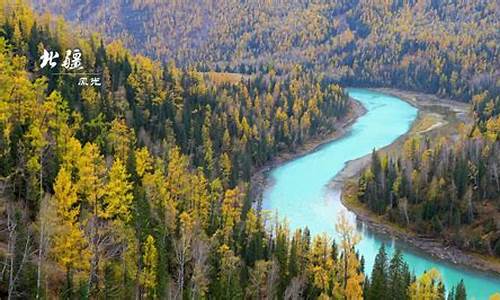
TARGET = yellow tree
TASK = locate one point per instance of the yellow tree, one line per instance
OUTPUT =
(121, 139)
(427, 287)
(118, 197)
(199, 206)
(352, 279)
(495, 296)
(69, 247)
(252, 224)
(150, 268)
(256, 288)
(229, 272)
(91, 173)
(231, 211)
(354, 286)
(47, 122)
(182, 251)
(225, 165)
(157, 189)
(90, 101)
(178, 182)
(117, 207)
(321, 263)
(90, 185)
(70, 151)
(493, 129)
(143, 161)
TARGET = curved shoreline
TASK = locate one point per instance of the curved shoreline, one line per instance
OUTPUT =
(432, 247)
(429, 246)
(425, 103)
(260, 179)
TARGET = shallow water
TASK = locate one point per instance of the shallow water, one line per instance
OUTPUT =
(299, 190)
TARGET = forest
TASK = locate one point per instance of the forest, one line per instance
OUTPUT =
(445, 187)
(139, 188)
(443, 47)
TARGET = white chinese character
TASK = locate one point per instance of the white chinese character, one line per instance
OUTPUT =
(76, 62)
(67, 60)
(95, 81)
(73, 60)
(47, 58)
(83, 81)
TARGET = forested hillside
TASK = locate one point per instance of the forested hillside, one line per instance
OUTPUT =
(444, 187)
(444, 47)
(138, 188)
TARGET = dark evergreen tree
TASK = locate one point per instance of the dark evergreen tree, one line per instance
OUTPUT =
(378, 281)
(458, 292)
(398, 278)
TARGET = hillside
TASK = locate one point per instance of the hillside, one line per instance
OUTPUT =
(138, 188)
(440, 47)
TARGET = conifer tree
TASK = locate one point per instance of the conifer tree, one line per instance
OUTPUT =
(69, 246)
(428, 287)
(458, 292)
(149, 271)
(352, 280)
(378, 282)
(398, 277)
(117, 194)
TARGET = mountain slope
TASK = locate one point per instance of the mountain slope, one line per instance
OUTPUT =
(445, 47)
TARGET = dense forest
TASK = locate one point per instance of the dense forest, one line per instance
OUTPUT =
(445, 47)
(138, 188)
(445, 187)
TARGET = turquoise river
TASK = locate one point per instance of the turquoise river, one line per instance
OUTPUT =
(298, 189)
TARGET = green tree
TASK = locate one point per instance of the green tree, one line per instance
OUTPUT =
(378, 282)
(399, 277)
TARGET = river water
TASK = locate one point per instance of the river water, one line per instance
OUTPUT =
(299, 190)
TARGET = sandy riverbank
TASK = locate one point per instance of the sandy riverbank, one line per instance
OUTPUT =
(427, 104)
(445, 114)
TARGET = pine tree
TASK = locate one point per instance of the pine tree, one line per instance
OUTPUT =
(208, 151)
(226, 169)
(459, 292)
(398, 277)
(281, 255)
(378, 287)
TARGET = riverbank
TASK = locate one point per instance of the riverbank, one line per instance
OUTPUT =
(436, 117)
(430, 246)
(259, 180)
